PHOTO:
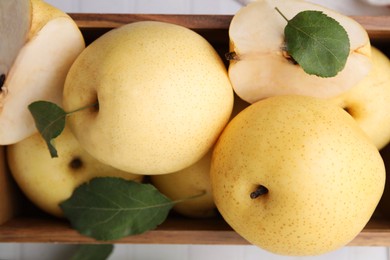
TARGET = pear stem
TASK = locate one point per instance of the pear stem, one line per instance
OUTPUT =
(261, 190)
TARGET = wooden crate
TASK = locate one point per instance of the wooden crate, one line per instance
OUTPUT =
(20, 221)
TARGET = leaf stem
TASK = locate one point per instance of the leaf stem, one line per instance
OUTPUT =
(285, 18)
(191, 197)
(82, 108)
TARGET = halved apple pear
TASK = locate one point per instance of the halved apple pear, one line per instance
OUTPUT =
(260, 67)
(51, 42)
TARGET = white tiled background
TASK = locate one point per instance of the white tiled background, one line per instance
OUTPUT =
(349, 7)
(15, 251)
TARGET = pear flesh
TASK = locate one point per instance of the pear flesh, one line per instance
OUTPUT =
(295, 175)
(39, 70)
(15, 19)
(260, 67)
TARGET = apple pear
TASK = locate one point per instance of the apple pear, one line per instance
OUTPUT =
(369, 101)
(192, 181)
(260, 68)
(296, 175)
(48, 181)
(187, 183)
(162, 97)
(39, 45)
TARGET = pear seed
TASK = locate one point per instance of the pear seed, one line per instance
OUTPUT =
(231, 56)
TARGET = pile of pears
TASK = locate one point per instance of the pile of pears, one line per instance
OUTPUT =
(289, 160)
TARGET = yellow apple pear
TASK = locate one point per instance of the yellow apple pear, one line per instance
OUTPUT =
(48, 181)
(187, 183)
(296, 175)
(369, 101)
(162, 92)
(260, 67)
(40, 42)
(192, 181)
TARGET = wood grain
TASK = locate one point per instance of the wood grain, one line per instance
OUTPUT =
(377, 26)
(97, 20)
(173, 231)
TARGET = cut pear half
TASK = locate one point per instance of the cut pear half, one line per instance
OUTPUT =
(39, 71)
(261, 68)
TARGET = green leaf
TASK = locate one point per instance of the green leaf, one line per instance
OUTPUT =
(317, 42)
(49, 120)
(93, 252)
(111, 208)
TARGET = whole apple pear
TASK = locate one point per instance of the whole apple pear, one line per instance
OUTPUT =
(192, 181)
(368, 102)
(163, 97)
(296, 175)
(48, 181)
(186, 183)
